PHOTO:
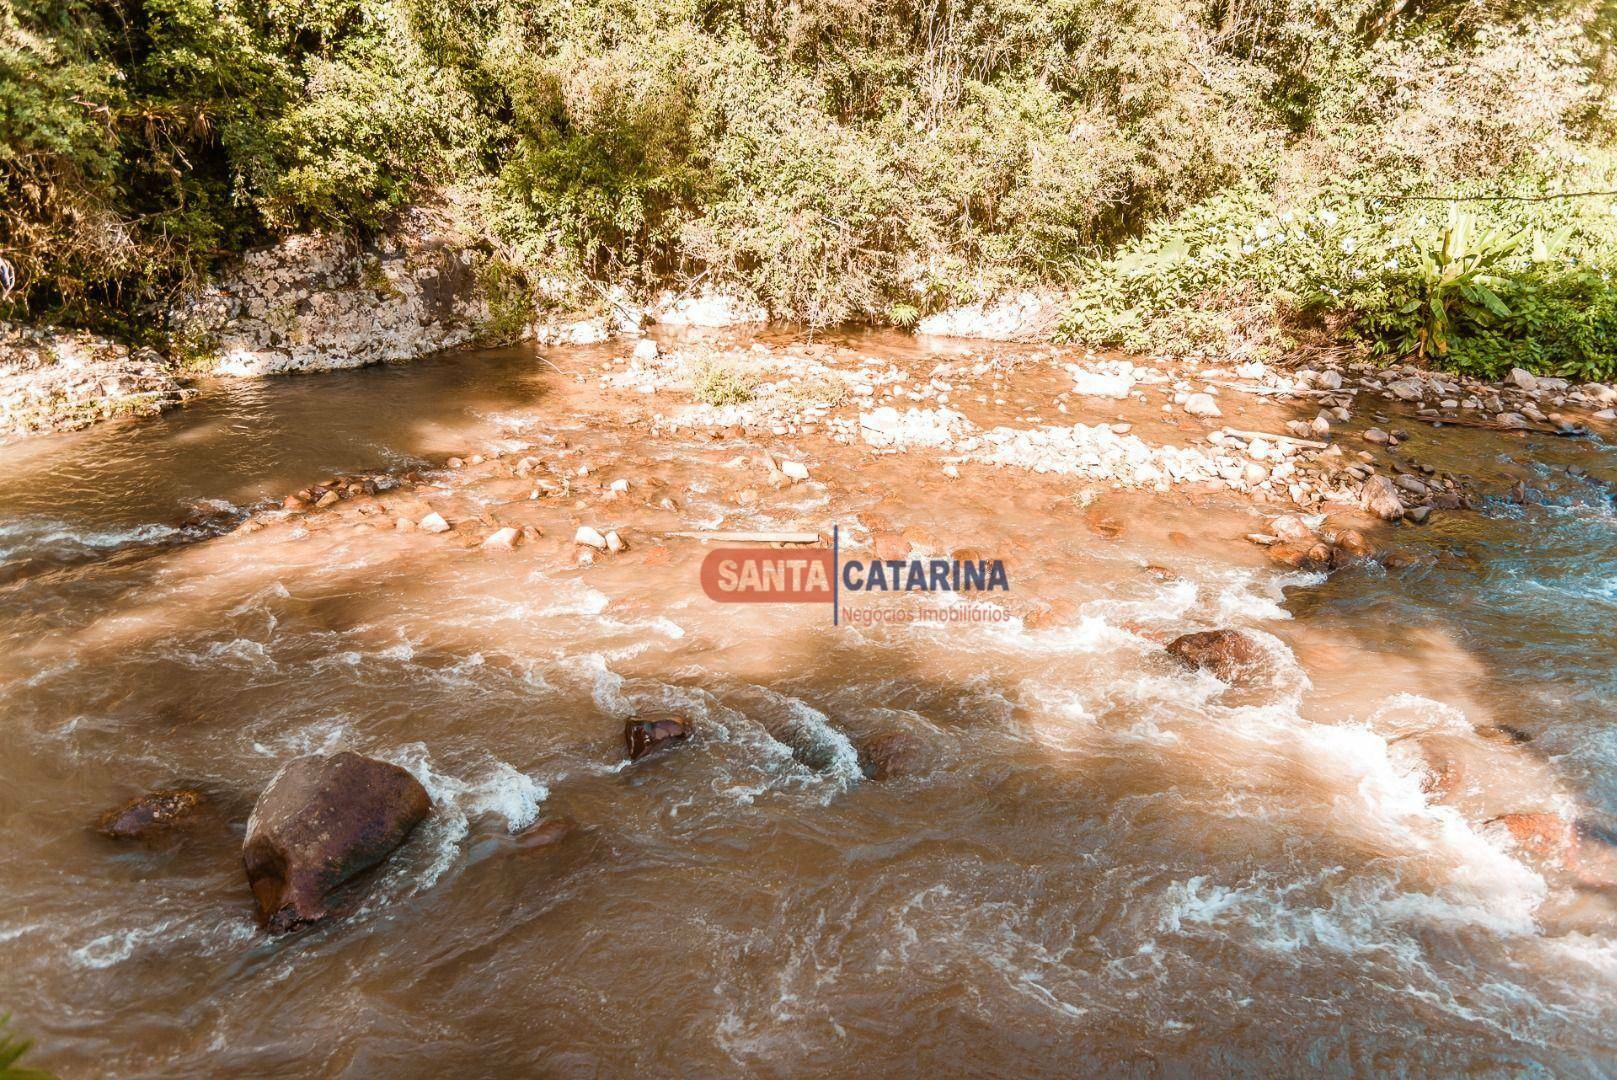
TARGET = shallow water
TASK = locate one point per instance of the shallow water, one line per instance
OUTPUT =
(1106, 864)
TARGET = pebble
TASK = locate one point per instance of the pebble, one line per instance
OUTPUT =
(433, 523)
(589, 537)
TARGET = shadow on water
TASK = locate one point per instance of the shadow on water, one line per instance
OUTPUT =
(246, 440)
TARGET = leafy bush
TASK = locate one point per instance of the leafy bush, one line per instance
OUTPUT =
(855, 159)
(1478, 290)
(721, 384)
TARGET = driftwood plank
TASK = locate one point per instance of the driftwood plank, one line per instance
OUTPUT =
(1276, 438)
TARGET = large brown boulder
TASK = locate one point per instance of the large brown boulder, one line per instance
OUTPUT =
(645, 735)
(322, 821)
(1226, 653)
(146, 816)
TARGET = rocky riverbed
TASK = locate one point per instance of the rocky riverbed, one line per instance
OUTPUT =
(1227, 753)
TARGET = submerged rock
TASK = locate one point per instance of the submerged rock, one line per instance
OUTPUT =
(1544, 835)
(545, 833)
(322, 821)
(145, 816)
(1584, 849)
(1224, 653)
(643, 736)
(1353, 543)
(1304, 555)
(891, 755)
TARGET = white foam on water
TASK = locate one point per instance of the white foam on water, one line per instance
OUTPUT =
(558, 597)
(255, 604)
(1242, 596)
(12, 933)
(1091, 633)
(1169, 602)
(606, 685)
(508, 793)
(498, 790)
(666, 627)
(202, 928)
(1403, 715)
(404, 650)
(811, 729)
(242, 653)
(34, 533)
(320, 737)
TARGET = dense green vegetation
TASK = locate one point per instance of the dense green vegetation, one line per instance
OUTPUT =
(1206, 174)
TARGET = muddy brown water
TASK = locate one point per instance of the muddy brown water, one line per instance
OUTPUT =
(1104, 864)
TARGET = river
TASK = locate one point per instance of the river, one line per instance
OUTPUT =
(1107, 864)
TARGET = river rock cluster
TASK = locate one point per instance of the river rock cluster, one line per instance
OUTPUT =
(1024, 316)
(53, 380)
(317, 302)
(1312, 462)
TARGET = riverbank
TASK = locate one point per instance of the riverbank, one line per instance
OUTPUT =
(61, 381)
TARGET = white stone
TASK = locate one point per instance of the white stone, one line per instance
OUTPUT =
(1101, 385)
(795, 469)
(1523, 379)
(1202, 405)
(433, 523)
(501, 540)
(589, 537)
(706, 309)
(1408, 389)
(1025, 315)
(645, 349)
